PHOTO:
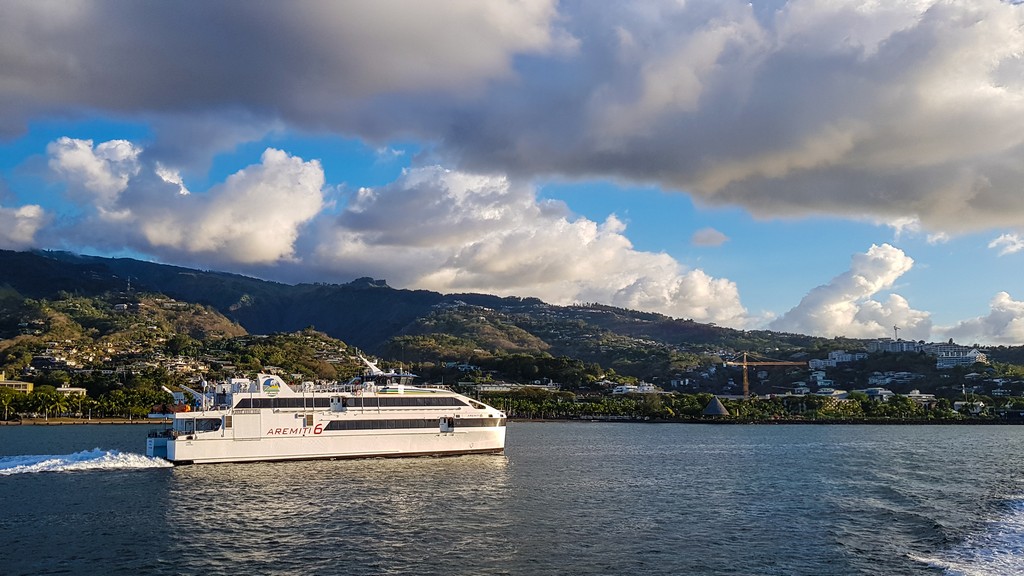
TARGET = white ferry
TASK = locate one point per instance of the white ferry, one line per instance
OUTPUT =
(376, 415)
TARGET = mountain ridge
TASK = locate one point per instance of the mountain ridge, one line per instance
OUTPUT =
(369, 314)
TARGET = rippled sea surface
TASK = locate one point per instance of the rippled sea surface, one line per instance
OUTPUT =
(567, 498)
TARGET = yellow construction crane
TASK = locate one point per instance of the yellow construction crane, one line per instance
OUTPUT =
(746, 363)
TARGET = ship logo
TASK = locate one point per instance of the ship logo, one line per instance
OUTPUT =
(270, 387)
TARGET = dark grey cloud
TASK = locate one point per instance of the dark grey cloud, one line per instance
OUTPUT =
(314, 63)
(893, 111)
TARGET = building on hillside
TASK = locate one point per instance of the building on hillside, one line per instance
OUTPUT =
(879, 379)
(890, 345)
(947, 354)
(818, 378)
(642, 388)
(508, 386)
(681, 383)
(946, 349)
(832, 393)
(964, 357)
(835, 358)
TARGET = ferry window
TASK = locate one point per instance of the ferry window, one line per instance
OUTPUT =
(207, 424)
(381, 424)
(185, 425)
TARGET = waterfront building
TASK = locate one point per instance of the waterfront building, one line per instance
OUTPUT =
(878, 393)
(15, 384)
(926, 400)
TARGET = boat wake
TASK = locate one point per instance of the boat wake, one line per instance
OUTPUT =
(95, 459)
(997, 551)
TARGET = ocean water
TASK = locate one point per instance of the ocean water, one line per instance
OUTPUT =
(566, 498)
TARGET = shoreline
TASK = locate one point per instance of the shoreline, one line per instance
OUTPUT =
(717, 421)
(783, 422)
(81, 421)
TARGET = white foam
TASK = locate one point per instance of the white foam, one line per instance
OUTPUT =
(95, 459)
(998, 551)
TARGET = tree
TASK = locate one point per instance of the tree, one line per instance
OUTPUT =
(59, 404)
(652, 406)
(944, 409)
(54, 378)
(8, 399)
(45, 400)
(182, 345)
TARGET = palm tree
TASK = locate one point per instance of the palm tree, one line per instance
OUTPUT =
(7, 400)
(117, 402)
(86, 405)
(60, 404)
(42, 401)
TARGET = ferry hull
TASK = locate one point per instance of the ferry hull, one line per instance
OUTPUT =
(380, 444)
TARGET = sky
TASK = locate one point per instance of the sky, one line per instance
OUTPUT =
(824, 167)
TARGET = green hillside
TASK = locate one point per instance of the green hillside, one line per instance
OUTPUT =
(61, 296)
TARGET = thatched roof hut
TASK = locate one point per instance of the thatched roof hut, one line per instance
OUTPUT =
(715, 409)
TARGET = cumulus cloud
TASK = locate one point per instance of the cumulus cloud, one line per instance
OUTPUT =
(433, 228)
(708, 237)
(171, 176)
(452, 231)
(1008, 244)
(1004, 324)
(254, 217)
(96, 175)
(844, 306)
(18, 226)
